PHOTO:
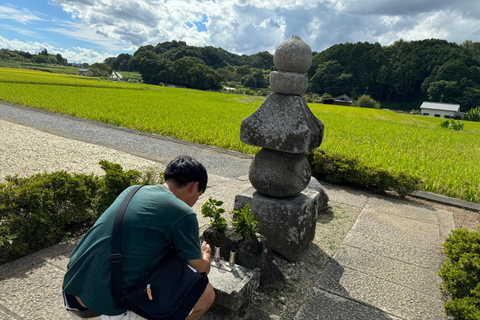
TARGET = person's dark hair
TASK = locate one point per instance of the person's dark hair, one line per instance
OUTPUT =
(185, 169)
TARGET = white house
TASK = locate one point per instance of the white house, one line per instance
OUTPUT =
(440, 110)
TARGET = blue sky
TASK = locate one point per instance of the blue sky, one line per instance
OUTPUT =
(92, 30)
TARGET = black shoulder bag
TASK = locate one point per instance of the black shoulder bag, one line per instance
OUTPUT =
(169, 291)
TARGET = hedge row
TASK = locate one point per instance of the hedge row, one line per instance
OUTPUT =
(346, 170)
(461, 274)
(44, 209)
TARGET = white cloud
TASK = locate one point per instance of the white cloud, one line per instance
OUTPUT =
(75, 55)
(84, 33)
(251, 26)
(23, 16)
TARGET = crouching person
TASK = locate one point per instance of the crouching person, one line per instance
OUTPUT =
(157, 219)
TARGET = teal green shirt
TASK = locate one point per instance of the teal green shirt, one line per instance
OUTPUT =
(155, 220)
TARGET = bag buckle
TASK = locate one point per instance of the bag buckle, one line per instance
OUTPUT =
(115, 258)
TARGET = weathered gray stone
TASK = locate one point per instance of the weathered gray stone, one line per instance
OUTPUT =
(233, 286)
(283, 123)
(289, 224)
(288, 82)
(279, 174)
(293, 55)
(316, 186)
(252, 254)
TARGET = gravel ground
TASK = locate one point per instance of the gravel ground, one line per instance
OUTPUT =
(25, 151)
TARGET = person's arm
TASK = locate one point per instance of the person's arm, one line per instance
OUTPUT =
(202, 265)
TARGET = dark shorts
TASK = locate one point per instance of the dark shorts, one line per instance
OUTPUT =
(73, 306)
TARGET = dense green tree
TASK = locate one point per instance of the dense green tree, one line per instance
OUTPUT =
(330, 77)
(402, 72)
(52, 60)
(203, 77)
(182, 67)
(249, 81)
(101, 69)
(41, 59)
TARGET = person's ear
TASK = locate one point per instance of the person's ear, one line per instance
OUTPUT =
(193, 186)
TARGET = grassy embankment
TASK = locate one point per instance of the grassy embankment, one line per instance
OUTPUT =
(446, 160)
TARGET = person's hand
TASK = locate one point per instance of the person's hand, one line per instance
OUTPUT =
(206, 250)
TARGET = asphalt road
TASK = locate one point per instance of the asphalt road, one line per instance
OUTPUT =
(151, 146)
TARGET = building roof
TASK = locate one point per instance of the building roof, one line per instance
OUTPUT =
(344, 97)
(440, 106)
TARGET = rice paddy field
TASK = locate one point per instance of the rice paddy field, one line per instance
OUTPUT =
(446, 160)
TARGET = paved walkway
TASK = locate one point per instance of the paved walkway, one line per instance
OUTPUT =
(386, 267)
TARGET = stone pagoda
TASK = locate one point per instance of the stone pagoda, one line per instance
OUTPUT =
(286, 129)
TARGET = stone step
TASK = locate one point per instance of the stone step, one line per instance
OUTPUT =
(233, 286)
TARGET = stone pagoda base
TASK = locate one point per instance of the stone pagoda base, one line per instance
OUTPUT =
(289, 223)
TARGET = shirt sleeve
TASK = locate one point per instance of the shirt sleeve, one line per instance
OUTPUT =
(186, 240)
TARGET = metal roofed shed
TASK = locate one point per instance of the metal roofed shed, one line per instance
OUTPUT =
(440, 110)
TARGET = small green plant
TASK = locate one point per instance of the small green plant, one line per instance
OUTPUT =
(210, 209)
(244, 222)
(461, 274)
(452, 125)
(7, 239)
(276, 294)
(473, 114)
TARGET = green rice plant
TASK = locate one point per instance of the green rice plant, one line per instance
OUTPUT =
(415, 145)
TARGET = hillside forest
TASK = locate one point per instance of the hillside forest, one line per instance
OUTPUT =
(403, 73)
(399, 76)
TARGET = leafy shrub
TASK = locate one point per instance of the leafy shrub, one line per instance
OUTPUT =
(452, 125)
(244, 222)
(347, 170)
(115, 181)
(210, 210)
(37, 212)
(365, 101)
(461, 274)
(473, 114)
(41, 210)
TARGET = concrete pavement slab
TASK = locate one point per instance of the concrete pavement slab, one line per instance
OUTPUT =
(445, 223)
(402, 208)
(393, 270)
(35, 294)
(395, 299)
(403, 224)
(324, 305)
(346, 195)
(22, 264)
(377, 244)
(379, 231)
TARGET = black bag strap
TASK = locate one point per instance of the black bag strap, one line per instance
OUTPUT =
(116, 250)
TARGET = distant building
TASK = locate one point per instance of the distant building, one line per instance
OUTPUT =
(440, 110)
(342, 100)
(116, 76)
(85, 72)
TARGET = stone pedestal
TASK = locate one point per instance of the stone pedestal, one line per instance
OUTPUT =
(252, 254)
(289, 223)
(233, 286)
